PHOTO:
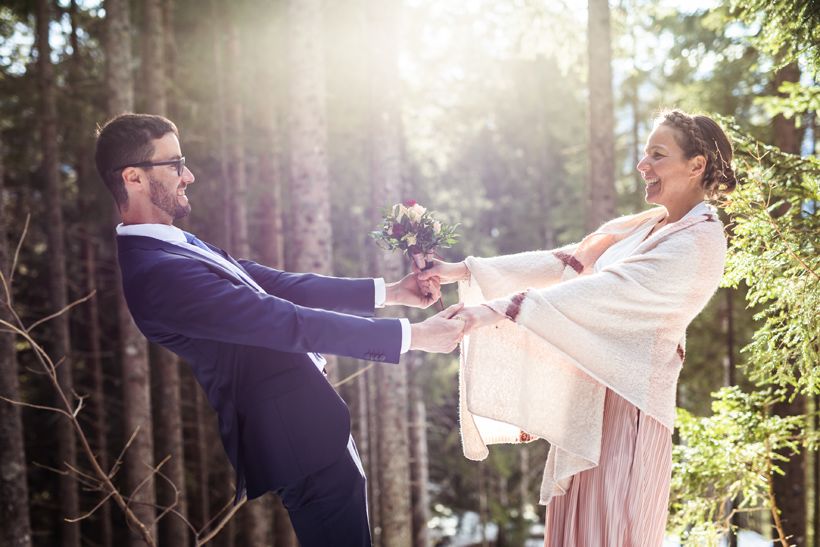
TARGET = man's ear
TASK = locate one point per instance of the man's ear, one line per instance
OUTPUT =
(697, 166)
(131, 179)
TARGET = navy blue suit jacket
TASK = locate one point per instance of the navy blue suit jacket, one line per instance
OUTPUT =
(279, 418)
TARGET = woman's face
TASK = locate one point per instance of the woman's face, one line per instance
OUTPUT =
(670, 178)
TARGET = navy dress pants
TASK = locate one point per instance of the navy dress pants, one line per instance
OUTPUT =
(329, 507)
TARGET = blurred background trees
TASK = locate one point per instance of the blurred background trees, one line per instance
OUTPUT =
(301, 120)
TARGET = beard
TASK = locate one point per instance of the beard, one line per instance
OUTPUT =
(166, 201)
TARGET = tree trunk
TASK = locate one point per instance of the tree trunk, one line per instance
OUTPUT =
(236, 146)
(310, 196)
(362, 422)
(66, 443)
(78, 138)
(310, 236)
(153, 59)
(137, 417)
(221, 122)
(730, 380)
(386, 184)
(787, 136)
(600, 117)
(172, 529)
(373, 472)
(119, 70)
(524, 493)
(419, 462)
(790, 488)
(816, 469)
(273, 254)
(136, 375)
(483, 502)
(203, 468)
(271, 202)
(170, 58)
(14, 501)
(97, 399)
(259, 517)
(545, 188)
(283, 534)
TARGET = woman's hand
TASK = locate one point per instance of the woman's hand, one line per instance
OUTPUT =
(446, 272)
(407, 292)
(475, 317)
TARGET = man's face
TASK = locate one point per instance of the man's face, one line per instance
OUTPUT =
(166, 187)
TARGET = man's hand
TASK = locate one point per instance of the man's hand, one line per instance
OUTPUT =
(475, 317)
(439, 333)
(445, 272)
(407, 293)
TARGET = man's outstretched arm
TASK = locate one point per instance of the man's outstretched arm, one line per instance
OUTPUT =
(197, 303)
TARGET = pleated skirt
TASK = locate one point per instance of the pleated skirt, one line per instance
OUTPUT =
(623, 502)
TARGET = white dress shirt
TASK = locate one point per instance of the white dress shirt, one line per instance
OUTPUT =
(172, 234)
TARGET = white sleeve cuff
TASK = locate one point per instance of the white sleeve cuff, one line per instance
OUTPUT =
(405, 335)
(381, 292)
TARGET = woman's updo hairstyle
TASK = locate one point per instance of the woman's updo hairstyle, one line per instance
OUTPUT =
(702, 136)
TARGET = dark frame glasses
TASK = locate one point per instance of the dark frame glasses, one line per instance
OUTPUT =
(180, 163)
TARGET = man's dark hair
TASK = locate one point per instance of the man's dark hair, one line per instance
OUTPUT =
(127, 139)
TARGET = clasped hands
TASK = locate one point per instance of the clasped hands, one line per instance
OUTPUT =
(474, 317)
(442, 332)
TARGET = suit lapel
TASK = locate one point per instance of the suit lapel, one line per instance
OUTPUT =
(126, 242)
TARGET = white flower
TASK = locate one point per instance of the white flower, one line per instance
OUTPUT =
(415, 212)
(409, 238)
(400, 211)
(436, 227)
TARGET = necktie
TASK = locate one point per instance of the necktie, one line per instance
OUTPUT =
(193, 240)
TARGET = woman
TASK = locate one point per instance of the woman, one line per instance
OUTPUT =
(595, 369)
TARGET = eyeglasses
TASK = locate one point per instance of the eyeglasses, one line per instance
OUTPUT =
(180, 164)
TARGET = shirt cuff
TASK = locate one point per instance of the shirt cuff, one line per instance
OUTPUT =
(381, 292)
(405, 335)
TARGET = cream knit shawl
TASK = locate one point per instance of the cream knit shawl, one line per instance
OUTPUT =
(622, 328)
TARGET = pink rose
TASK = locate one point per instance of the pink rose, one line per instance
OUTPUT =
(410, 202)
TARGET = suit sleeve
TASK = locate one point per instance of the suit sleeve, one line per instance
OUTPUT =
(193, 301)
(344, 295)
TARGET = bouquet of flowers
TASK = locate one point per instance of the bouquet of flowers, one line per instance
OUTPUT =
(414, 230)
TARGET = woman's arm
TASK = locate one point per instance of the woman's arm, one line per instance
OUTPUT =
(501, 275)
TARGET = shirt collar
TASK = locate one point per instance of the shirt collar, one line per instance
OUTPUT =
(163, 232)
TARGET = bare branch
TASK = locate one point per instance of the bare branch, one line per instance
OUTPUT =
(6, 289)
(222, 522)
(82, 480)
(118, 461)
(353, 376)
(90, 479)
(170, 508)
(17, 251)
(62, 311)
(38, 407)
(149, 477)
(185, 520)
(49, 468)
(93, 509)
(101, 479)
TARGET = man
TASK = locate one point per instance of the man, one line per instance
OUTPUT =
(250, 334)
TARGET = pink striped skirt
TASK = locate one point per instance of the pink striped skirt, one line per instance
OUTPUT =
(623, 502)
